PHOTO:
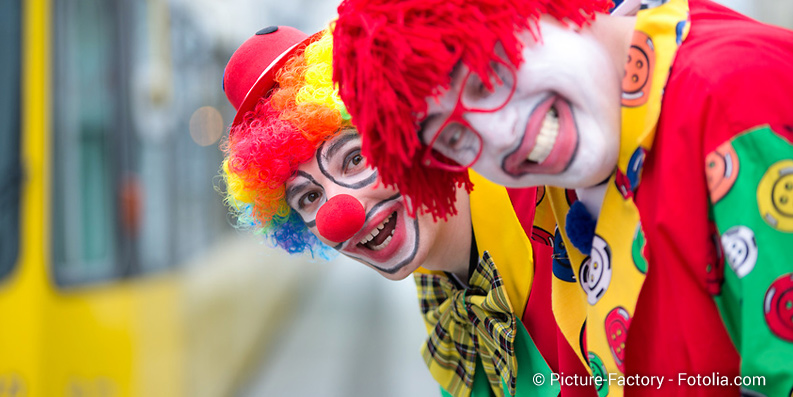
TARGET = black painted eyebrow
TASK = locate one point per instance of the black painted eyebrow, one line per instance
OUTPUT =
(295, 188)
(338, 143)
(309, 177)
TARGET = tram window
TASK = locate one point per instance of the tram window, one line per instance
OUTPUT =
(86, 126)
(132, 193)
(10, 166)
(184, 214)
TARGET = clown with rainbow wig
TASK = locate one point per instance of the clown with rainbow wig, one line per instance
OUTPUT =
(660, 137)
(295, 173)
(270, 138)
(294, 170)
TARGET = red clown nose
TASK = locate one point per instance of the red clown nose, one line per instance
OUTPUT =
(340, 218)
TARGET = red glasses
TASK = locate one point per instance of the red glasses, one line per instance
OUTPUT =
(456, 145)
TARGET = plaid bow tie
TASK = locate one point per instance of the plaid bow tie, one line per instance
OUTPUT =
(465, 322)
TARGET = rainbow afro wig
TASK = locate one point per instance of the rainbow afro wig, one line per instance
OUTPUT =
(283, 131)
(391, 55)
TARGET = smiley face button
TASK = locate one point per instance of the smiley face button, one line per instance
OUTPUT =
(599, 375)
(775, 196)
(595, 273)
(778, 307)
(721, 171)
(617, 323)
(638, 71)
(740, 249)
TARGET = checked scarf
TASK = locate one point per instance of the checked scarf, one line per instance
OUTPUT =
(467, 322)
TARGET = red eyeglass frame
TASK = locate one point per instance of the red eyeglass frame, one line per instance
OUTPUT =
(427, 157)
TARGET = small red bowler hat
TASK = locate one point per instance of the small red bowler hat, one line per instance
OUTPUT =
(250, 73)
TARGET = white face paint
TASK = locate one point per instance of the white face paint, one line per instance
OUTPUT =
(560, 127)
(390, 241)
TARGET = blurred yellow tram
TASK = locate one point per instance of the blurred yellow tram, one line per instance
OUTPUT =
(117, 273)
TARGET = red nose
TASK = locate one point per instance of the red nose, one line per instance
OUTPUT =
(340, 218)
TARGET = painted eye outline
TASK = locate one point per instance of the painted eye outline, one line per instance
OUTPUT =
(349, 158)
(337, 163)
(301, 202)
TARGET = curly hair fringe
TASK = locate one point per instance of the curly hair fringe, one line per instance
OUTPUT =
(282, 132)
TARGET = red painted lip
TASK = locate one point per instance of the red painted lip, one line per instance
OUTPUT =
(382, 214)
(517, 165)
(399, 237)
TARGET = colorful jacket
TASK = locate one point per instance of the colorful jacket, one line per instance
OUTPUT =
(691, 272)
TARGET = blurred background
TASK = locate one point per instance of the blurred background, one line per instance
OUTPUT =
(120, 274)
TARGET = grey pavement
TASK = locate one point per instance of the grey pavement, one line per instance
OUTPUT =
(354, 334)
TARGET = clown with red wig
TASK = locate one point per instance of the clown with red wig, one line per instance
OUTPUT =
(294, 173)
(670, 121)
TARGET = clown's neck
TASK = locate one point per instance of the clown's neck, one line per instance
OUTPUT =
(454, 238)
(592, 198)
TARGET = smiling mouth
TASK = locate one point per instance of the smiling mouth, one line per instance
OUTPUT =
(549, 142)
(381, 235)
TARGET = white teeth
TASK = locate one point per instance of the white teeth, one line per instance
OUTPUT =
(546, 138)
(376, 231)
(383, 244)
